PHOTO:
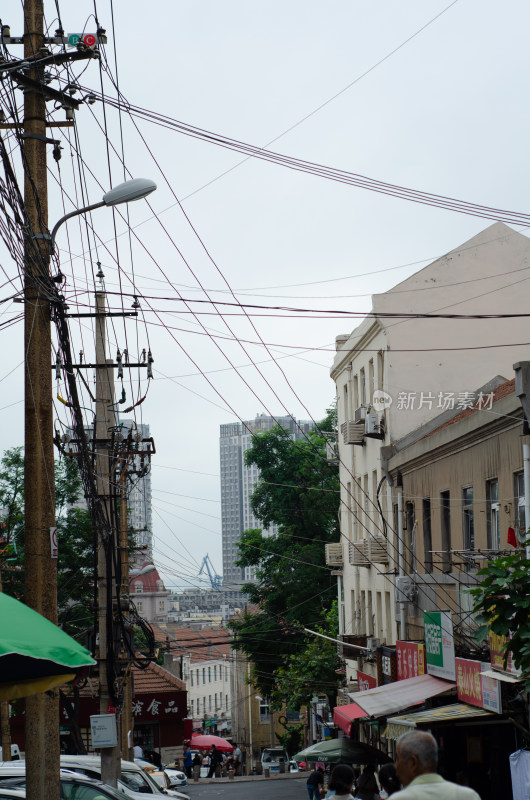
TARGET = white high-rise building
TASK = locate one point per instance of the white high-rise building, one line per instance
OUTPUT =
(237, 484)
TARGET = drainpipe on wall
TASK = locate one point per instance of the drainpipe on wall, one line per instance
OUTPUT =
(526, 479)
(401, 553)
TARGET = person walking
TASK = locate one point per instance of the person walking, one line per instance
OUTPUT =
(188, 760)
(416, 765)
(341, 782)
(388, 780)
(314, 782)
(216, 758)
(367, 786)
(237, 756)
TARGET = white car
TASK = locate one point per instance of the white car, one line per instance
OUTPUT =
(135, 781)
(13, 785)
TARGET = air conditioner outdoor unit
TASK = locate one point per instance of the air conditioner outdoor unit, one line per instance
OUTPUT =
(359, 414)
(352, 432)
(405, 589)
(372, 643)
(373, 427)
(331, 451)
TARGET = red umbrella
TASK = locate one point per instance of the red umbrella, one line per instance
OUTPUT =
(204, 742)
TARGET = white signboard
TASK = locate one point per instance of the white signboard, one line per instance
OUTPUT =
(439, 644)
(103, 730)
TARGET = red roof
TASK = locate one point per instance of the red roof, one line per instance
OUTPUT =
(503, 390)
(206, 644)
(149, 581)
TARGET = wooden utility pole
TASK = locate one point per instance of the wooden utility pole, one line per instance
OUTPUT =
(42, 710)
(105, 421)
(126, 717)
(4, 720)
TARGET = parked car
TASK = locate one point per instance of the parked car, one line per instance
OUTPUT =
(73, 786)
(271, 757)
(176, 776)
(133, 779)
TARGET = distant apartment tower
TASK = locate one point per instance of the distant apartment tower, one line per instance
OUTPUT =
(139, 513)
(237, 485)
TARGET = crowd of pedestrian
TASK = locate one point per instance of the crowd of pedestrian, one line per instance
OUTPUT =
(414, 776)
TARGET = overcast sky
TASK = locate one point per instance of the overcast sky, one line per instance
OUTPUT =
(425, 94)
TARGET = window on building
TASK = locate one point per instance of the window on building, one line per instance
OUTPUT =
(215, 672)
(355, 392)
(264, 710)
(139, 605)
(445, 511)
(492, 514)
(520, 522)
(203, 675)
(346, 398)
(209, 702)
(468, 521)
(427, 534)
(215, 702)
(380, 364)
(192, 707)
(191, 678)
(203, 705)
(226, 702)
(226, 673)
(371, 384)
(197, 676)
(410, 537)
(209, 674)
(362, 387)
(138, 587)
(221, 701)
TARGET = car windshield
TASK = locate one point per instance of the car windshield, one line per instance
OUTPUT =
(71, 790)
(139, 782)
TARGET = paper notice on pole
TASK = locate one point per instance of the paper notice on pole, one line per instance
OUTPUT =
(53, 543)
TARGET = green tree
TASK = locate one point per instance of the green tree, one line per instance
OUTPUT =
(502, 605)
(298, 491)
(75, 562)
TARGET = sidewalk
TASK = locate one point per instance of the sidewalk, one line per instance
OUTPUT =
(276, 776)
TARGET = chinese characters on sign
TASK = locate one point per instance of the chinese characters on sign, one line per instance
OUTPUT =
(365, 681)
(410, 660)
(497, 644)
(444, 401)
(474, 688)
(439, 644)
(161, 706)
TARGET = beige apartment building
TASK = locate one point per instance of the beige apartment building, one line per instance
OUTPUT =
(399, 372)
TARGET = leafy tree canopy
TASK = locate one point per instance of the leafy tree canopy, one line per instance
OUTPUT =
(298, 491)
(502, 603)
(75, 535)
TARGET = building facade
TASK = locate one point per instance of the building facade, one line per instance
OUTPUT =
(139, 511)
(237, 485)
(396, 374)
(150, 596)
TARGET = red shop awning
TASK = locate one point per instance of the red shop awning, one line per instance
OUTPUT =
(343, 716)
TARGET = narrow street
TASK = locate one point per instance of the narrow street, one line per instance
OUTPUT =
(259, 789)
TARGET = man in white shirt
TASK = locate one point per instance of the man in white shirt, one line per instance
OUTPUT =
(416, 765)
(137, 751)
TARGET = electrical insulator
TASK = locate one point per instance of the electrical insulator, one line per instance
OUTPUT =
(150, 360)
(58, 367)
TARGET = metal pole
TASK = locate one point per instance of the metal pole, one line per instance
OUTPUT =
(401, 558)
(110, 756)
(127, 716)
(42, 710)
(251, 754)
(526, 479)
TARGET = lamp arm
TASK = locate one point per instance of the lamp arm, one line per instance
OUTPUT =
(69, 216)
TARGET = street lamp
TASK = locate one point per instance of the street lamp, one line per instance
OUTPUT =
(136, 573)
(126, 192)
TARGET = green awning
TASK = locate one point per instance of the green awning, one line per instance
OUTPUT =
(35, 655)
(396, 726)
